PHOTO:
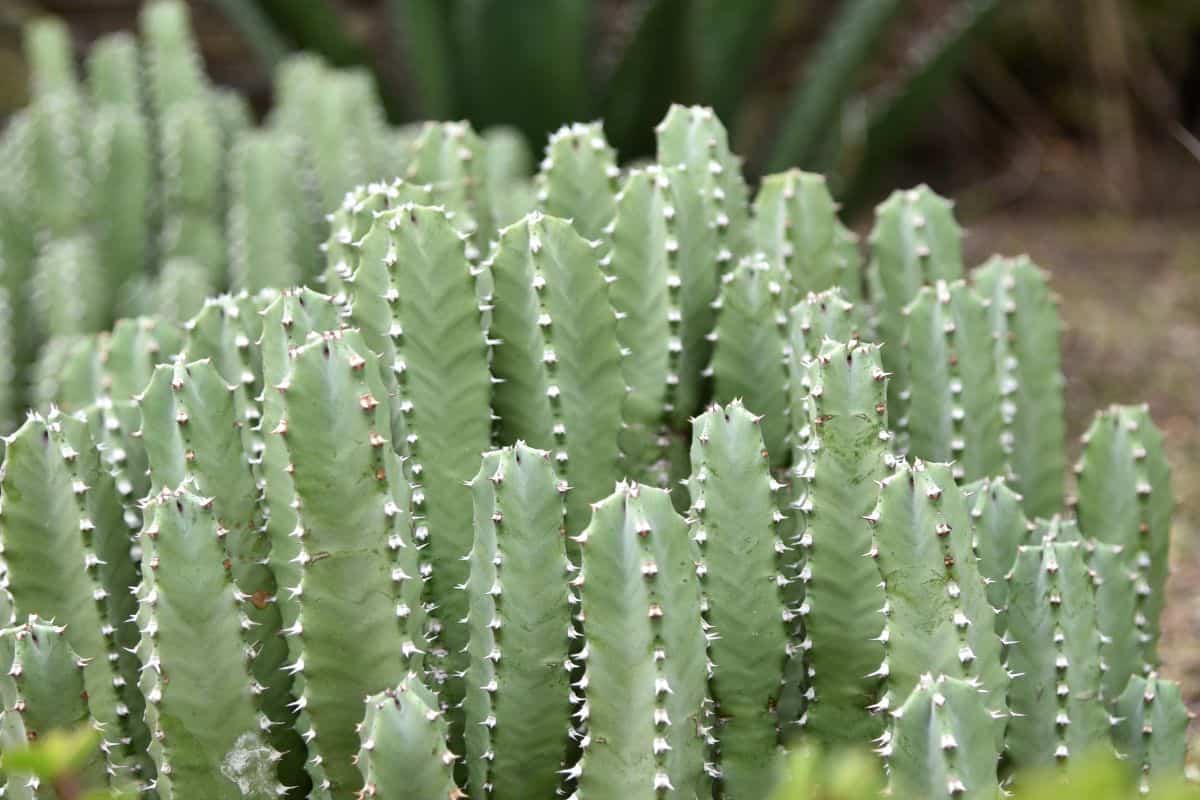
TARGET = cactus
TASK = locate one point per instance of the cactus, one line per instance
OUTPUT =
(361, 590)
(733, 516)
(1026, 330)
(48, 678)
(941, 742)
(517, 697)
(915, 242)
(1150, 721)
(208, 739)
(642, 262)
(578, 178)
(68, 558)
(403, 751)
(1125, 499)
(839, 597)
(954, 398)
(1054, 645)
(938, 615)
(749, 354)
(645, 708)
(305, 456)
(1000, 529)
(556, 356)
(796, 226)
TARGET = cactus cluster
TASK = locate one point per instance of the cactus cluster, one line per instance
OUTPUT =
(607, 483)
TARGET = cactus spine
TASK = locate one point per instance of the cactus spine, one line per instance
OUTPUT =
(578, 178)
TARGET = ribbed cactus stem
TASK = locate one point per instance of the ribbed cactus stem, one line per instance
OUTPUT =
(208, 739)
(915, 242)
(1115, 582)
(750, 348)
(923, 549)
(941, 744)
(1000, 528)
(796, 226)
(838, 593)
(48, 678)
(645, 714)
(1053, 643)
(556, 356)
(1125, 499)
(361, 592)
(578, 177)
(195, 429)
(643, 247)
(451, 156)
(518, 704)
(1150, 721)
(403, 751)
(709, 208)
(1027, 332)
(734, 514)
(434, 345)
(53, 546)
(954, 397)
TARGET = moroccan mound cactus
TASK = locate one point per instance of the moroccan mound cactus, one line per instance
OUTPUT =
(595, 483)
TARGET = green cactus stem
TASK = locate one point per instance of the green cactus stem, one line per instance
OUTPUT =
(403, 751)
(208, 739)
(645, 712)
(1000, 528)
(915, 242)
(838, 594)
(1053, 643)
(750, 349)
(556, 356)
(1150, 722)
(518, 701)
(954, 397)
(941, 743)
(797, 228)
(734, 514)
(1027, 332)
(579, 177)
(1125, 499)
(938, 614)
(361, 621)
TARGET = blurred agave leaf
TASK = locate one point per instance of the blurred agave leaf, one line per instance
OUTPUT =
(729, 41)
(257, 29)
(523, 63)
(423, 29)
(651, 73)
(313, 25)
(846, 45)
(893, 119)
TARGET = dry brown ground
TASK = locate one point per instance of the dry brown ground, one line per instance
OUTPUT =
(1131, 303)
